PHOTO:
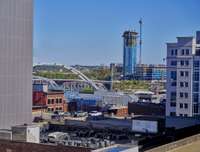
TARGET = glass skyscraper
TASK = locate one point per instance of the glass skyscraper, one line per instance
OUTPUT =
(130, 53)
(16, 21)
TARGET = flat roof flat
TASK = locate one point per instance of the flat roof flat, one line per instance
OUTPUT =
(148, 118)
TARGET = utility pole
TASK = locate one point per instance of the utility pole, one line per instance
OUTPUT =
(112, 74)
(140, 55)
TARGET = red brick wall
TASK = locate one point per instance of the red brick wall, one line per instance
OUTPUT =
(39, 98)
(56, 105)
(11, 146)
(122, 112)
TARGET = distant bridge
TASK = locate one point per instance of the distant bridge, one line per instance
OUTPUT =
(74, 84)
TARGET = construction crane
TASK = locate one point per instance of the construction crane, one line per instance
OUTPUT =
(140, 55)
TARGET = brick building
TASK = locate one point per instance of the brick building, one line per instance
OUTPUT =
(52, 100)
(120, 111)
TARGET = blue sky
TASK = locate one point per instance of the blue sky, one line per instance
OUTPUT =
(89, 32)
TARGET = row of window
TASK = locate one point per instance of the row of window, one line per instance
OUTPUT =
(174, 52)
(182, 63)
(185, 105)
(52, 101)
(183, 95)
(184, 73)
(173, 74)
(183, 115)
(196, 63)
(184, 84)
(181, 105)
(181, 84)
(174, 114)
(56, 109)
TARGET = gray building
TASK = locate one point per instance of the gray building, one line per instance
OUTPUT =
(183, 77)
(16, 23)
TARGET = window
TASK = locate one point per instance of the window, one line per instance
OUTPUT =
(187, 52)
(172, 52)
(196, 64)
(182, 52)
(176, 51)
(173, 96)
(196, 76)
(57, 101)
(186, 95)
(182, 62)
(173, 104)
(196, 87)
(181, 94)
(185, 115)
(60, 100)
(172, 114)
(186, 73)
(181, 114)
(60, 108)
(186, 84)
(173, 63)
(181, 73)
(173, 75)
(196, 97)
(49, 101)
(186, 62)
(173, 84)
(198, 52)
(195, 108)
(52, 101)
(186, 105)
(181, 105)
(181, 84)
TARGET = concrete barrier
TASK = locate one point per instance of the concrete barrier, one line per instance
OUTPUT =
(176, 144)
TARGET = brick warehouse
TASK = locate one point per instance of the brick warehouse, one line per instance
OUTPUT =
(54, 100)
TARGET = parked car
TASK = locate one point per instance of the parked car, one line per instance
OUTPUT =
(38, 119)
(95, 113)
(80, 114)
(67, 114)
(61, 113)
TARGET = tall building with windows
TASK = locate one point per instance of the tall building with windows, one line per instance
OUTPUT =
(183, 77)
(130, 53)
(15, 62)
(150, 72)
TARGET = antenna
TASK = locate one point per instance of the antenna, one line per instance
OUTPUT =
(140, 57)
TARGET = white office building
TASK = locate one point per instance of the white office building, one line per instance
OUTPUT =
(183, 77)
(16, 21)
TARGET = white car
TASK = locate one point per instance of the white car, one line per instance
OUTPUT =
(95, 113)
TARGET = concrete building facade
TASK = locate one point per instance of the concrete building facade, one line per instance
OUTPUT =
(183, 63)
(16, 21)
(150, 72)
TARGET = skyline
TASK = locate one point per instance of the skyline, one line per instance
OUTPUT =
(62, 31)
